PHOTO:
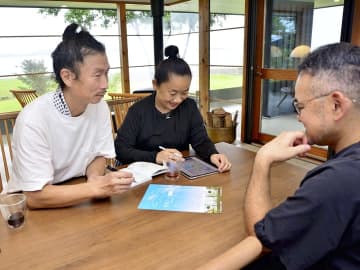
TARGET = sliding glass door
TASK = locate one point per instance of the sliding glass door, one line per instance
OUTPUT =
(286, 32)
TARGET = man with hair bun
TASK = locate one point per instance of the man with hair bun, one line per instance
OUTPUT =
(167, 118)
(67, 133)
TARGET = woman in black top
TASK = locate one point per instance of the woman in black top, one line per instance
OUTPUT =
(167, 118)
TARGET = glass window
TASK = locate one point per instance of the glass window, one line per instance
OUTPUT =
(182, 29)
(297, 27)
(277, 101)
(292, 30)
(226, 61)
(26, 47)
(140, 49)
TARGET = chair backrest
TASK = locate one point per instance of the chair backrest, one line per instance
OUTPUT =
(118, 111)
(7, 122)
(128, 95)
(24, 96)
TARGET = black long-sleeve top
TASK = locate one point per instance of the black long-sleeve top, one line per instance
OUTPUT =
(145, 129)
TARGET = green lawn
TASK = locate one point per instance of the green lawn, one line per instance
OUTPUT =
(217, 81)
(221, 81)
(9, 105)
(8, 84)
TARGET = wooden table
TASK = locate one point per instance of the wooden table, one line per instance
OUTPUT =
(114, 234)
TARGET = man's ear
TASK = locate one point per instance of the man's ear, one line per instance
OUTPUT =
(67, 76)
(154, 84)
(340, 104)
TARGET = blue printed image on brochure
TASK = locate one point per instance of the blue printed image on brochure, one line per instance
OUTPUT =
(198, 199)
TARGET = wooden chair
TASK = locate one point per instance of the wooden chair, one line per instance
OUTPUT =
(139, 96)
(7, 122)
(24, 96)
(118, 110)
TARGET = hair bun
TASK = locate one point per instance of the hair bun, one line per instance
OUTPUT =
(71, 31)
(172, 51)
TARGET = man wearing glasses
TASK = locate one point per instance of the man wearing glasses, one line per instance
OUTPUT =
(318, 227)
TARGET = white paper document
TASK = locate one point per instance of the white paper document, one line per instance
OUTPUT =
(144, 171)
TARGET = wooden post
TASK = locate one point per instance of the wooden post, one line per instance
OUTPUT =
(355, 33)
(123, 46)
(204, 56)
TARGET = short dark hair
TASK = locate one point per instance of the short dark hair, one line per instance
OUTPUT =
(173, 64)
(331, 57)
(336, 66)
(75, 45)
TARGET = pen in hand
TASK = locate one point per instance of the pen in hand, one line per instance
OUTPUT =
(176, 154)
(111, 168)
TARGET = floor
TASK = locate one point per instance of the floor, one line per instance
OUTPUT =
(277, 124)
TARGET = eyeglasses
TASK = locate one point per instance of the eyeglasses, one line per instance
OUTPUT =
(299, 106)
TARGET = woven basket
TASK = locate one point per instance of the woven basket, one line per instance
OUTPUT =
(221, 134)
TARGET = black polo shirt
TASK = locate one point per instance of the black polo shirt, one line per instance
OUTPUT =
(319, 226)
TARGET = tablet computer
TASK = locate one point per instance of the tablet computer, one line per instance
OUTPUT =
(194, 167)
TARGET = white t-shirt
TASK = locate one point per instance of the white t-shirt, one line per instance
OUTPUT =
(49, 147)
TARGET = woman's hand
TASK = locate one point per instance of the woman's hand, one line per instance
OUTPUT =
(221, 162)
(168, 154)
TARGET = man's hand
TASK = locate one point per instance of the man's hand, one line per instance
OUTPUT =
(285, 146)
(221, 162)
(97, 186)
(258, 196)
(111, 183)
